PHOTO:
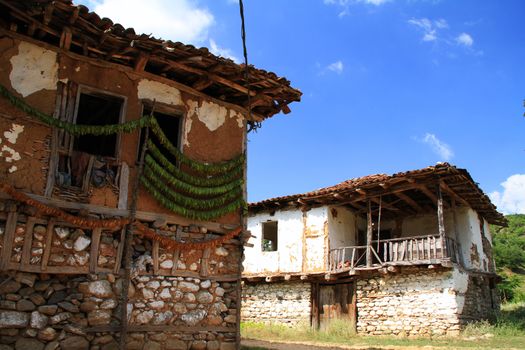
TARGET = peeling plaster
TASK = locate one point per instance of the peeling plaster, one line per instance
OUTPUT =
(193, 107)
(34, 69)
(153, 90)
(212, 115)
(239, 117)
(13, 133)
(14, 155)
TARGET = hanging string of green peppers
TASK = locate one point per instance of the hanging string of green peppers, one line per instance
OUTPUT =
(190, 202)
(213, 181)
(190, 213)
(206, 168)
(159, 172)
(72, 128)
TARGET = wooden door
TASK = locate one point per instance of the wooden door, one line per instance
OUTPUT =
(336, 302)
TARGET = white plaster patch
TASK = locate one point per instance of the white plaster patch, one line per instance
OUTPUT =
(212, 115)
(14, 155)
(239, 117)
(153, 90)
(34, 69)
(12, 134)
(193, 107)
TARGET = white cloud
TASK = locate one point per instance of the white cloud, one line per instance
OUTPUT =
(176, 20)
(440, 148)
(512, 199)
(465, 39)
(345, 4)
(351, 2)
(430, 28)
(337, 67)
(223, 52)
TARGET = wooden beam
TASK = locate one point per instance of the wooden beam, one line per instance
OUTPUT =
(141, 61)
(141, 215)
(9, 235)
(428, 193)
(409, 201)
(384, 204)
(93, 256)
(28, 241)
(49, 241)
(202, 83)
(453, 194)
(369, 235)
(440, 215)
(211, 76)
(74, 15)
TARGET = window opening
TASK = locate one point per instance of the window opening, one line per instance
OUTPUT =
(170, 125)
(269, 236)
(98, 109)
(91, 159)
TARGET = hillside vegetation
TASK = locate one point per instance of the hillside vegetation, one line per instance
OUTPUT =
(509, 253)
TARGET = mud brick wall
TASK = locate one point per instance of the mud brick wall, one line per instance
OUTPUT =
(286, 303)
(419, 302)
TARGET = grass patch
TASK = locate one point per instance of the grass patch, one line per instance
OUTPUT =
(508, 331)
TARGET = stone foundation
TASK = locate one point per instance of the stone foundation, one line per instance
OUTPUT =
(287, 303)
(420, 303)
(83, 312)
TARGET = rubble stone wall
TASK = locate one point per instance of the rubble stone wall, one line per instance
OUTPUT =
(422, 302)
(287, 302)
(57, 312)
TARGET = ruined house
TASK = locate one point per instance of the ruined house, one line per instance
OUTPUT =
(122, 183)
(403, 254)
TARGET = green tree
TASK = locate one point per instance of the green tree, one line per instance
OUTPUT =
(509, 254)
(509, 243)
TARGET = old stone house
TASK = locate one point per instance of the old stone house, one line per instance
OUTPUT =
(122, 162)
(408, 253)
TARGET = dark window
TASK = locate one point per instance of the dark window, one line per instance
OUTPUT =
(98, 109)
(269, 236)
(170, 125)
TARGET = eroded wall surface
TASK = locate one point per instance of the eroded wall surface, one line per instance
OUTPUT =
(286, 303)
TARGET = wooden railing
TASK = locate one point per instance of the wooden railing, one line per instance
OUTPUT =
(398, 251)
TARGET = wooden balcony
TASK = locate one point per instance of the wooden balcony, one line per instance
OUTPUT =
(416, 250)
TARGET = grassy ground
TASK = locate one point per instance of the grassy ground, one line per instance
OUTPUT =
(508, 332)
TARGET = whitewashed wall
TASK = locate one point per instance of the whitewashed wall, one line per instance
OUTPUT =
(288, 257)
(469, 237)
(316, 240)
(341, 227)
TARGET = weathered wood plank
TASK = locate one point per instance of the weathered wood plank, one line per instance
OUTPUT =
(49, 241)
(28, 241)
(9, 235)
(93, 257)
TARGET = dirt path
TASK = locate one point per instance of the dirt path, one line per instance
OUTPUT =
(258, 344)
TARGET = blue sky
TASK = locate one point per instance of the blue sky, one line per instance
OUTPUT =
(387, 86)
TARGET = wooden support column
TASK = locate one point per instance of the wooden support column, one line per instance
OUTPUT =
(441, 219)
(369, 235)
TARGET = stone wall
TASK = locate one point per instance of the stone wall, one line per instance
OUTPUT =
(480, 300)
(422, 302)
(60, 312)
(287, 302)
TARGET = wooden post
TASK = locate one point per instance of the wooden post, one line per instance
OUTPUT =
(441, 220)
(369, 236)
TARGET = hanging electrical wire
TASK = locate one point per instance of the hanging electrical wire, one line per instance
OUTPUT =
(252, 125)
